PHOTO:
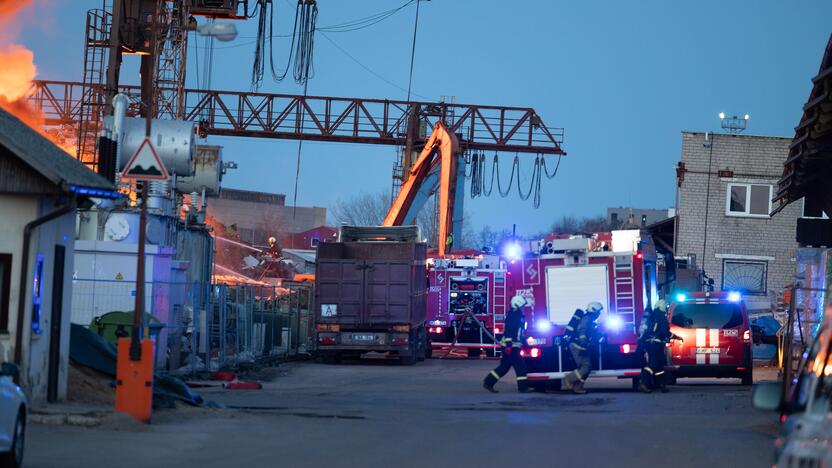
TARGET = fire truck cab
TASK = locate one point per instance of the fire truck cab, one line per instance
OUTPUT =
(562, 275)
(458, 284)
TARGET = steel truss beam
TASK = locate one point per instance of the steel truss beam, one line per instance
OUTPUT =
(325, 118)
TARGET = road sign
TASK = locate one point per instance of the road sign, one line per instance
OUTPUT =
(145, 164)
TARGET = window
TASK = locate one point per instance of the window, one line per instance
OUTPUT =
(747, 276)
(748, 200)
(812, 208)
(689, 315)
(5, 288)
(315, 241)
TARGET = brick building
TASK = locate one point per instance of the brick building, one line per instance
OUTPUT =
(256, 216)
(726, 184)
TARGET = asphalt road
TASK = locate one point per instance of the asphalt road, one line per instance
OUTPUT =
(434, 414)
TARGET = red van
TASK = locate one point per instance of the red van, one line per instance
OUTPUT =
(715, 336)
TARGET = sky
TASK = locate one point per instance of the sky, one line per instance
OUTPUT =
(623, 78)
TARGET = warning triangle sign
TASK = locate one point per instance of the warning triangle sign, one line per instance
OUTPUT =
(145, 164)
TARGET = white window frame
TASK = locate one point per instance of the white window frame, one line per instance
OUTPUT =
(739, 259)
(746, 214)
(803, 211)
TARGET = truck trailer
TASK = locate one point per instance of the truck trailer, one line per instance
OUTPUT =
(370, 296)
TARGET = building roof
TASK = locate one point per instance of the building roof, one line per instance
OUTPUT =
(45, 158)
(307, 256)
(809, 164)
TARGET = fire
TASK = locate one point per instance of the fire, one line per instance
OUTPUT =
(16, 75)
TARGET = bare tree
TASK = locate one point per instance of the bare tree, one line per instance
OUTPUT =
(366, 209)
(369, 209)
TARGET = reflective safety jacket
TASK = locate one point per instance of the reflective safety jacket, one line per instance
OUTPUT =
(515, 327)
(655, 327)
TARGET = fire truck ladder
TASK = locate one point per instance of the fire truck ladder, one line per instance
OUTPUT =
(625, 299)
(498, 313)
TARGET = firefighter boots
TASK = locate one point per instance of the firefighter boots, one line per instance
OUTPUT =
(489, 387)
(644, 388)
(578, 388)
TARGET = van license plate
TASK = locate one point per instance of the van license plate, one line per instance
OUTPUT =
(364, 337)
(707, 350)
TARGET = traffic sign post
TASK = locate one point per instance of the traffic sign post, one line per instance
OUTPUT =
(134, 373)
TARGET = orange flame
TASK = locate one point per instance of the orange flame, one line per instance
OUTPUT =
(16, 74)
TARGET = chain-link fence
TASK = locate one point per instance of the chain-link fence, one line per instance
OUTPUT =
(200, 326)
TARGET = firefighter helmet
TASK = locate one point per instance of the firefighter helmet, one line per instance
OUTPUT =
(594, 308)
(272, 241)
(518, 302)
(661, 304)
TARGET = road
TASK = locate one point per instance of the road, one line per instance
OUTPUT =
(434, 414)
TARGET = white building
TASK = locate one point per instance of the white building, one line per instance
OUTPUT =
(40, 188)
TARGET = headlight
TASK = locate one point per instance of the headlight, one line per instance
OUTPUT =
(543, 325)
(614, 323)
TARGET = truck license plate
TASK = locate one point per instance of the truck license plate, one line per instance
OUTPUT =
(707, 350)
(364, 337)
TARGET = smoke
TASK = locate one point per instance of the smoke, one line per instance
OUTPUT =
(17, 70)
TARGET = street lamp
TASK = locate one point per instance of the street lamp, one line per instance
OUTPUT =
(224, 32)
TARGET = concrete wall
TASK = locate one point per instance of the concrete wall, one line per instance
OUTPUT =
(58, 232)
(16, 212)
(753, 159)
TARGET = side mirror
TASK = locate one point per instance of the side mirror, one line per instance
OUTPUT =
(7, 369)
(767, 396)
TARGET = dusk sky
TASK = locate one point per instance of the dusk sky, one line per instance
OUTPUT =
(623, 78)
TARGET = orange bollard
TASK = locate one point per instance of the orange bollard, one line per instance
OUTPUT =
(134, 381)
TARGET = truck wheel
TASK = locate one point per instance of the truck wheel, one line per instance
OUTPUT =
(473, 352)
(330, 357)
(411, 356)
(635, 383)
(671, 378)
(747, 377)
(422, 344)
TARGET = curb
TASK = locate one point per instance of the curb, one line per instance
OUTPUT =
(57, 419)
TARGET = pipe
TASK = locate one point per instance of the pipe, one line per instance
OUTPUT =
(120, 103)
(24, 271)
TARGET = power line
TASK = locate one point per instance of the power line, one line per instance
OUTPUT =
(371, 71)
(413, 51)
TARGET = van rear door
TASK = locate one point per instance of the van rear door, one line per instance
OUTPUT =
(712, 333)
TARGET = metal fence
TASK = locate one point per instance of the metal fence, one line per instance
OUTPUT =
(203, 326)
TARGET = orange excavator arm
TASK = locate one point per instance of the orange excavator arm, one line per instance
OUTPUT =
(442, 150)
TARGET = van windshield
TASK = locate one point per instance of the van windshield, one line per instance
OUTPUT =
(707, 315)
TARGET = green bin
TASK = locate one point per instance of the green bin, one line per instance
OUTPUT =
(115, 324)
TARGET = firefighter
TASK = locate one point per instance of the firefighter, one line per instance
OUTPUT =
(580, 339)
(512, 342)
(655, 334)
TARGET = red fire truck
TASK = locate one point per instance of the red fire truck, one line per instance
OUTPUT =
(477, 283)
(563, 275)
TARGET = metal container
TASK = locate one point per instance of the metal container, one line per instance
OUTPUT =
(207, 172)
(173, 140)
(371, 284)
